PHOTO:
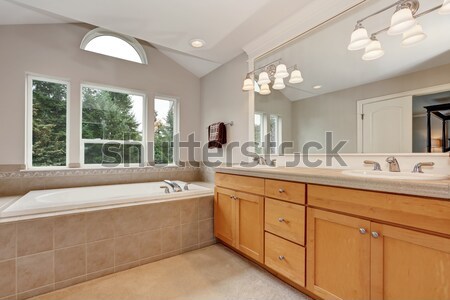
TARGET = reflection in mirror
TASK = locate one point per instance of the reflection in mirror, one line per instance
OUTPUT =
(378, 105)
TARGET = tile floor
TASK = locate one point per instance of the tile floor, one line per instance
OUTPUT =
(212, 273)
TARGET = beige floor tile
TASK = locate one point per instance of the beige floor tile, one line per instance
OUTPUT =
(213, 273)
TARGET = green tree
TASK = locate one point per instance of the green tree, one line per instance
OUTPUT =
(49, 123)
(109, 116)
(164, 138)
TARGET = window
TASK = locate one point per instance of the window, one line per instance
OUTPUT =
(165, 126)
(259, 133)
(113, 126)
(47, 102)
(113, 44)
(267, 127)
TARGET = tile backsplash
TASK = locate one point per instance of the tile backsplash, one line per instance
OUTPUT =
(21, 182)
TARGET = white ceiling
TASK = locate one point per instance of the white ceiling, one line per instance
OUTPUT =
(226, 26)
(324, 59)
(14, 14)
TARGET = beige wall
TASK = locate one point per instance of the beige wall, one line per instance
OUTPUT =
(336, 111)
(223, 100)
(54, 50)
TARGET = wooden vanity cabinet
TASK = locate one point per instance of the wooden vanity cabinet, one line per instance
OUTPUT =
(352, 257)
(238, 215)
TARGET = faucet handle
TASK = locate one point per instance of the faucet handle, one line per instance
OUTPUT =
(166, 189)
(376, 165)
(186, 186)
(418, 166)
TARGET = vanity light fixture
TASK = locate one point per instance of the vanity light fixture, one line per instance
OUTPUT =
(265, 90)
(279, 84)
(445, 8)
(413, 36)
(296, 76)
(248, 84)
(263, 78)
(359, 39)
(373, 50)
(403, 21)
(281, 71)
(197, 43)
(274, 72)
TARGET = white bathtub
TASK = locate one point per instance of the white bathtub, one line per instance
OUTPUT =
(46, 201)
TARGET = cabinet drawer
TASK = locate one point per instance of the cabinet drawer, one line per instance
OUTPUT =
(286, 220)
(285, 190)
(412, 211)
(241, 183)
(285, 258)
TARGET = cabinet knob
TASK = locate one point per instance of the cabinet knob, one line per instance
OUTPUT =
(281, 191)
(281, 257)
(375, 234)
(362, 231)
(281, 220)
(231, 197)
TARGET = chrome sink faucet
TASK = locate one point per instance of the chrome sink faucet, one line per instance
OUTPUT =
(262, 161)
(418, 166)
(376, 165)
(393, 164)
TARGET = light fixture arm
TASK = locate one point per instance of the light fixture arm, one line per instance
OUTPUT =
(380, 11)
(416, 16)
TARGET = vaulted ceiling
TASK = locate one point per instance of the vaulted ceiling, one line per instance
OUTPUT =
(226, 26)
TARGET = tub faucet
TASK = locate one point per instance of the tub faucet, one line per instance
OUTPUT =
(174, 185)
(393, 164)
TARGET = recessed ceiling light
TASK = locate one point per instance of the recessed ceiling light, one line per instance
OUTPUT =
(197, 43)
(316, 87)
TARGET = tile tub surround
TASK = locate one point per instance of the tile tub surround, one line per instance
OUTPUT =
(21, 182)
(41, 255)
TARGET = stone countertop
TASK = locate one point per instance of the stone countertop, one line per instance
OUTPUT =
(334, 177)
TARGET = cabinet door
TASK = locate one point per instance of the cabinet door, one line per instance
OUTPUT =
(338, 255)
(225, 215)
(408, 264)
(250, 225)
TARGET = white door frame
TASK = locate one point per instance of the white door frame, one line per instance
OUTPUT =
(412, 93)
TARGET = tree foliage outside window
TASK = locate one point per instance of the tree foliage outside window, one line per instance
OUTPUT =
(49, 119)
(164, 131)
(111, 127)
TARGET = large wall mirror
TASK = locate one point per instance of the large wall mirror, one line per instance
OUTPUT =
(390, 96)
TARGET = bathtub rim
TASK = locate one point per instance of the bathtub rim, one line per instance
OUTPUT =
(9, 200)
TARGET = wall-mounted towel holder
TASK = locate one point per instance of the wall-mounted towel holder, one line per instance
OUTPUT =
(231, 123)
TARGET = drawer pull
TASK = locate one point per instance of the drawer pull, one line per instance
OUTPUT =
(362, 231)
(281, 191)
(281, 220)
(375, 234)
(281, 257)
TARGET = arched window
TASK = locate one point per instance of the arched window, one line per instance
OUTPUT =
(109, 43)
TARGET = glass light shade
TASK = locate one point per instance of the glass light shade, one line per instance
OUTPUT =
(373, 51)
(413, 36)
(248, 84)
(359, 40)
(281, 71)
(263, 78)
(296, 77)
(278, 84)
(445, 9)
(265, 90)
(401, 21)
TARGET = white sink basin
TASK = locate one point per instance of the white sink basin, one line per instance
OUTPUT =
(394, 175)
(253, 167)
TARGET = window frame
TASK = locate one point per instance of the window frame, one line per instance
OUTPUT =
(29, 78)
(98, 32)
(176, 128)
(114, 89)
(265, 123)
